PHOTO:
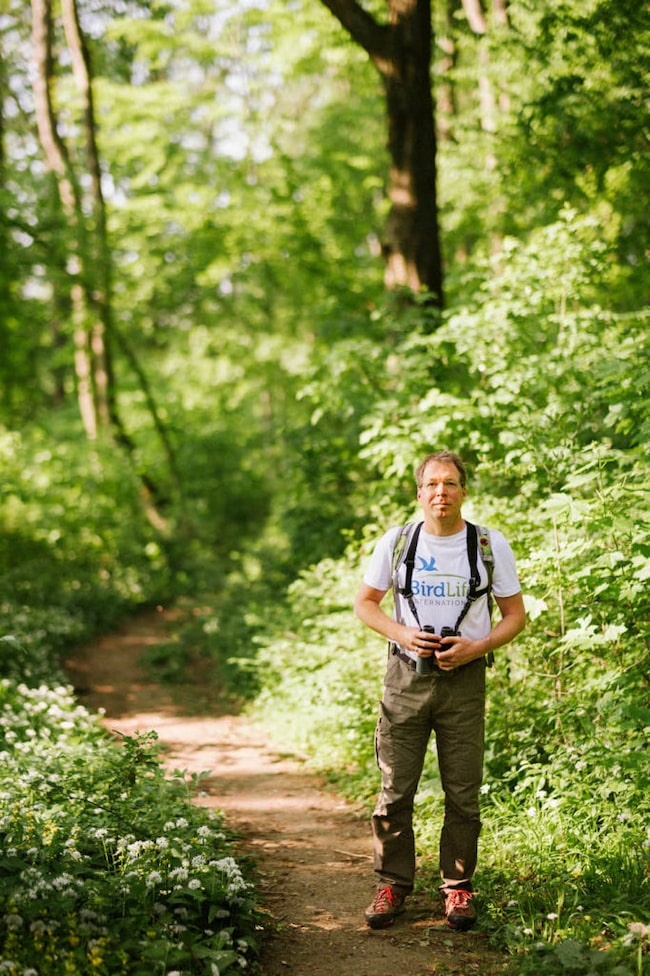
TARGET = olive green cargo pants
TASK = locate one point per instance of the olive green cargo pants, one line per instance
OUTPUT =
(452, 706)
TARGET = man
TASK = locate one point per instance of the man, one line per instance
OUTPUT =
(450, 700)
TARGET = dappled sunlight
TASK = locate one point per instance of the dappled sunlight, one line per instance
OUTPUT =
(311, 848)
(109, 676)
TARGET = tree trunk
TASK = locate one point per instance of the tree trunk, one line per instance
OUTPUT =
(475, 16)
(98, 283)
(401, 51)
(446, 93)
(89, 262)
(69, 195)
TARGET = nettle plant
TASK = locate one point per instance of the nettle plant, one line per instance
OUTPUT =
(106, 867)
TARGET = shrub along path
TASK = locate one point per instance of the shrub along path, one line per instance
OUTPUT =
(312, 849)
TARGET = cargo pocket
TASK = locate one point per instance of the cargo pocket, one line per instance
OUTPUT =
(384, 746)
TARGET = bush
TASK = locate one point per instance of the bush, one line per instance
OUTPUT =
(106, 866)
(537, 387)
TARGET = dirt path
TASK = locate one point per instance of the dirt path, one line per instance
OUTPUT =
(312, 849)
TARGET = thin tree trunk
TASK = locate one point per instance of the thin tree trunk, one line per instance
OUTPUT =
(58, 163)
(98, 286)
(104, 331)
(475, 16)
(500, 12)
(446, 95)
(90, 258)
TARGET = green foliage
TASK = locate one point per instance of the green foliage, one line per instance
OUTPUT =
(557, 118)
(313, 664)
(75, 554)
(106, 866)
(537, 386)
(243, 165)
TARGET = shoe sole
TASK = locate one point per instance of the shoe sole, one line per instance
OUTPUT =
(374, 923)
(462, 925)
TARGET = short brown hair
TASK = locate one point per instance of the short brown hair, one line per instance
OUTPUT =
(446, 457)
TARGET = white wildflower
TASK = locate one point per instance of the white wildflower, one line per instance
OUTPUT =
(62, 882)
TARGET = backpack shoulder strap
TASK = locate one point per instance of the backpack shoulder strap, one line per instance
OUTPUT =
(409, 560)
(404, 552)
(399, 552)
(481, 543)
(485, 549)
(478, 540)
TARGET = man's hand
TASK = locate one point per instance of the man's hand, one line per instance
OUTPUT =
(456, 651)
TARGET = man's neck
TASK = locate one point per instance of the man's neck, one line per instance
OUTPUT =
(440, 527)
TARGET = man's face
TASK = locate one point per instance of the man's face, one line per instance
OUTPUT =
(441, 495)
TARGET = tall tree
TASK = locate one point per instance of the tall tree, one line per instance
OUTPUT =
(79, 261)
(89, 255)
(401, 51)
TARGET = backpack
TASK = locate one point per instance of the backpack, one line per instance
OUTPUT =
(478, 540)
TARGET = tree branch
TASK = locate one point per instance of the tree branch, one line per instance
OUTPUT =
(475, 16)
(373, 37)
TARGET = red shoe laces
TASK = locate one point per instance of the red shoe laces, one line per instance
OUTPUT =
(385, 898)
(458, 898)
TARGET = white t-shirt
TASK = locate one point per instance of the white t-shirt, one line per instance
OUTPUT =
(441, 580)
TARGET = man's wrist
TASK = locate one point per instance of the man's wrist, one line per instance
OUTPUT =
(486, 645)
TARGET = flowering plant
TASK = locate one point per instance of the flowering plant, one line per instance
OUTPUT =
(105, 866)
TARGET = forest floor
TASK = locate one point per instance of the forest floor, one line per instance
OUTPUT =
(311, 848)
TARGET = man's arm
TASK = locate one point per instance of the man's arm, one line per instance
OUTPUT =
(367, 608)
(460, 650)
(513, 621)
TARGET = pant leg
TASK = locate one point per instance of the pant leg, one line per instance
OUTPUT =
(401, 740)
(459, 722)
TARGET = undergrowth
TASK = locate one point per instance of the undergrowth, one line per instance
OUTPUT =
(106, 865)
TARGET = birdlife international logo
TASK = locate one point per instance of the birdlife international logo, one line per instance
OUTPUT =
(448, 587)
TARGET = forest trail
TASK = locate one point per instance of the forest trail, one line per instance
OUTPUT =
(311, 848)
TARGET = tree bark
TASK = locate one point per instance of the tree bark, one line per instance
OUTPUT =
(401, 52)
(89, 263)
(446, 93)
(500, 12)
(58, 163)
(98, 283)
(475, 16)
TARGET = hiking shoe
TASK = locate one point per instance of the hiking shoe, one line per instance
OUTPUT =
(388, 903)
(460, 912)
